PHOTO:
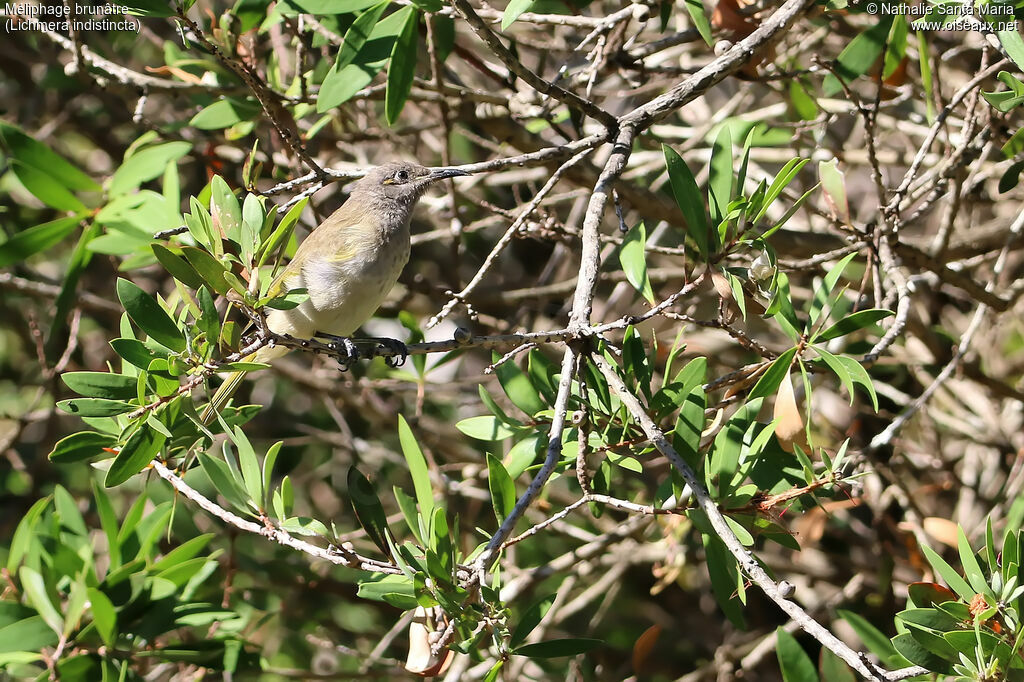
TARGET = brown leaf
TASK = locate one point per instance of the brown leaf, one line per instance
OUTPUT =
(790, 426)
(644, 645)
(929, 594)
(732, 18)
(420, 660)
(941, 529)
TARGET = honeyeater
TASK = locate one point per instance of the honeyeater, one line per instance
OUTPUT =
(348, 264)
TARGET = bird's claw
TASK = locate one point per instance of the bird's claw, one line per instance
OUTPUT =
(399, 352)
(346, 349)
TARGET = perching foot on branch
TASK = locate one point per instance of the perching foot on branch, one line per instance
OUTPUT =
(345, 347)
(395, 352)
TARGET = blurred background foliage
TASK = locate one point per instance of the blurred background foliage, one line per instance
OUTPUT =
(857, 177)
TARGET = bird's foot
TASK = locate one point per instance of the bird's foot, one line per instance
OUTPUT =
(344, 347)
(399, 353)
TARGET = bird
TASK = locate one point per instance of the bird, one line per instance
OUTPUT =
(347, 265)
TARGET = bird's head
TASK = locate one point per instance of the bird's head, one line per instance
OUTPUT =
(402, 182)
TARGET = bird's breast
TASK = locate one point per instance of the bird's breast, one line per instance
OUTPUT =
(345, 291)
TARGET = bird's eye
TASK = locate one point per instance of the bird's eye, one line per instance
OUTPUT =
(402, 176)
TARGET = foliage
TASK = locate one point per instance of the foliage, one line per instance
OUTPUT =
(766, 351)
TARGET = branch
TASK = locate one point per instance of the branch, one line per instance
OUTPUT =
(542, 86)
(734, 59)
(342, 556)
(745, 558)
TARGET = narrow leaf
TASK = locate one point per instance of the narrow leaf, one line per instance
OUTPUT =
(147, 313)
(417, 468)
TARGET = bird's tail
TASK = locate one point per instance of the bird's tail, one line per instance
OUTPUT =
(224, 392)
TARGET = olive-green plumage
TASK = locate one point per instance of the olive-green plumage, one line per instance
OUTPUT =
(348, 264)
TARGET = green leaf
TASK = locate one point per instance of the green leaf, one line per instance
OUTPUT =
(910, 649)
(183, 552)
(368, 509)
(795, 664)
(211, 270)
(29, 634)
(31, 152)
(720, 170)
(485, 427)
(833, 668)
(179, 268)
(700, 19)
(1011, 41)
(81, 446)
(1006, 100)
(66, 509)
(852, 323)
(95, 407)
(145, 165)
(377, 586)
(34, 587)
(357, 35)
(408, 507)
(724, 575)
(46, 188)
(494, 408)
(402, 67)
(492, 674)
(859, 56)
(269, 460)
(1011, 176)
(226, 213)
(972, 569)
(689, 426)
(803, 104)
(343, 83)
(689, 199)
(503, 490)
(209, 318)
(519, 389)
(249, 465)
(859, 375)
(523, 454)
(781, 181)
(24, 535)
(417, 468)
(147, 313)
(224, 481)
(514, 10)
(137, 353)
(530, 620)
(282, 232)
(152, 8)
(225, 113)
(555, 648)
(135, 454)
(633, 259)
(773, 376)
(56, 340)
(329, 6)
(37, 239)
(104, 617)
(101, 384)
(876, 642)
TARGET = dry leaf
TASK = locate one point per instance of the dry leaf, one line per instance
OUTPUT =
(811, 526)
(790, 426)
(732, 18)
(420, 661)
(941, 529)
(644, 645)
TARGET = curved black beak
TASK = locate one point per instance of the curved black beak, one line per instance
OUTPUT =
(436, 174)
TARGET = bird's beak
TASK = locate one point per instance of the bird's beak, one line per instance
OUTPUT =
(436, 174)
